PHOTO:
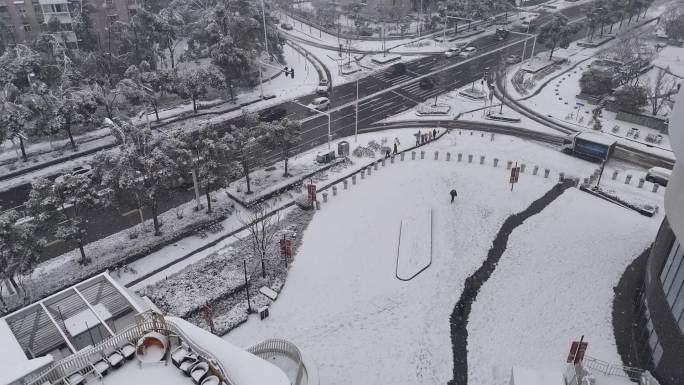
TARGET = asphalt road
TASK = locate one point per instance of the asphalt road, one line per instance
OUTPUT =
(383, 94)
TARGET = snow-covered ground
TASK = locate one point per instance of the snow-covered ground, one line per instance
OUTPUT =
(553, 284)
(341, 294)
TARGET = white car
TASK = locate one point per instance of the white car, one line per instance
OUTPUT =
(468, 52)
(323, 87)
(320, 104)
(451, 52)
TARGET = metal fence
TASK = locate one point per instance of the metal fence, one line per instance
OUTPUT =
(278, 346)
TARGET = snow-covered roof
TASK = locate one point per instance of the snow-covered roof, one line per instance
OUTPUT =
(14, 363)
(526, 376)
(243, 368)
(597, 138)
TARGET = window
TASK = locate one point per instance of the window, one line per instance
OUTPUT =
(676, 257)
(22, 13)
(27, 27)
(112, 18)
(668, 262)
(109, 3)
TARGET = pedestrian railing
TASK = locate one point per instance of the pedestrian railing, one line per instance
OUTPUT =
(609, 369)
(286, 348)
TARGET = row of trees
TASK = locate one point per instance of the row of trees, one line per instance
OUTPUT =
(606, 13)
(141, 171)
(48, 89)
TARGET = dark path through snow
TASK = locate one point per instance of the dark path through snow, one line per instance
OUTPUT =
(459, 317)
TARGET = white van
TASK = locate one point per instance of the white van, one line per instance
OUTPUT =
(658, 175)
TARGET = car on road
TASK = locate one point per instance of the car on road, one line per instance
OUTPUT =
(468, 52)
(398, 70)
(451, 52)
(513, 59)
(658, 175)
(426, 84)
(320, 103)
(323, 87)
(272, 114)
(501, 33)
(286, 26)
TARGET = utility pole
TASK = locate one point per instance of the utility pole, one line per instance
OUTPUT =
(249, 303)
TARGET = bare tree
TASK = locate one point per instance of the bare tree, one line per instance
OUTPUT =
(262, 227)
(664, 86)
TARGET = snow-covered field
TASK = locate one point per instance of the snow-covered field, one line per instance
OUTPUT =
(342, 303)
(342, 292)
(554, 284)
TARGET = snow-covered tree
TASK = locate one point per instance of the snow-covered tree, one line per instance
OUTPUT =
(596, 82)
(143, 85)
(557, 33)
(18, 64)
(630, 98)
(19, 247)
(211, 160)
(262, 227)
(14, 118)
(143, 169)
(62, 206)
(664, 86)
(167, 27)
(194, 82)
(282, 136)
(242, 141)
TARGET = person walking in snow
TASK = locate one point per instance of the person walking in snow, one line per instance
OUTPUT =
(453, 195)
(395, 147)
(418, 137)
(434, 133)
(387, 153)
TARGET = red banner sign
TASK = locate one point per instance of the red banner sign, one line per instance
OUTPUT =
(311, 189)
(577, 350)
(285, 247)
(515, 174)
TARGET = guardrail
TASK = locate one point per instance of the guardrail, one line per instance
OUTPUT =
(287, 348)
(609, 369)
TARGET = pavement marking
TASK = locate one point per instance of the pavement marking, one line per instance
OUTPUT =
(395, 87)
(56, 241)
(127, 213)
(406, 97)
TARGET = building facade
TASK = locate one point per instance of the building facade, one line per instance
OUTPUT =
(25, 20)
(659, 339)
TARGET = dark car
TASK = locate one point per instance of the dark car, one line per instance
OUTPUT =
(426, 84)
(398, 70)
(287, 26)
(272, 114)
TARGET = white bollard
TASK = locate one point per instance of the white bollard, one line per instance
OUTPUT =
(413, 155)
(546, 173)
(363, 174)
(535, 170)
(346, 183)
(402, 156)
(460, 156)
(436, 155)
(615, 174)
(628, 179)
(470, 158)
(655, 187)
(325, 197)
(561, 177)
(496, 162)
(369, 170)
(353, 179)
(482, 159)
(641, 183)
(422, 154)
(334, 188)
(375, 166)
(448, 156)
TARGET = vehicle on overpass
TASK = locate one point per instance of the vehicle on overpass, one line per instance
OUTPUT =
(323, 87)
(320, 104)
(589, 145)
(451, 52)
